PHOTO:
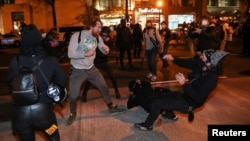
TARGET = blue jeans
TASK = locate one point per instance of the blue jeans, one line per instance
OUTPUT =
(151, 54)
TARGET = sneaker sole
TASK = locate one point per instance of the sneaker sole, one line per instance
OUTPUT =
(143, 128)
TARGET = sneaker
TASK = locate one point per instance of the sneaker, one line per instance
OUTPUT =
(142, 127)
(71, 118)
(153, 78)
(149, 75)
(116, 110)
(172, 117)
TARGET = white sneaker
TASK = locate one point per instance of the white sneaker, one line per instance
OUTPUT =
(149, 75)
(153, 78)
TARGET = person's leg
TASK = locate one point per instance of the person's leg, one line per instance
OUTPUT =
(135, 50)
(139, 50)
(129, 57)
(96, 78)
(153, 64)
(46, 122)
(76, 79)
(85, 91)
(223, 45)
(110, 74)
(172, 101)
(151, 54)
(151, 60)
(21, 123)
(121, 56)
(164, 61)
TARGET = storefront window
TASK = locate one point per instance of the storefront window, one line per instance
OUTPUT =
(213, 3)
(175, 20)
(226, 3)
(104, 5)
(17, 20)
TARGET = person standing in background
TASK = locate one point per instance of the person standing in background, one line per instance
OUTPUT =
(150, 36)
(124, 42)
(137, 38)
(225, 27)
(166, 37)
(230, 32)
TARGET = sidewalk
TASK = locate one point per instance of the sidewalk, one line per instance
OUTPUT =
(228, 104)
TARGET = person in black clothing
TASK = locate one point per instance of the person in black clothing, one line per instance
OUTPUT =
(40, 116)
(101, 62)
(137, 38)
(166, 35)
(52, 46)
(67, 36)
(124, 42)
(245, 37)
(202, 81)
(208, 37)
(51, 42)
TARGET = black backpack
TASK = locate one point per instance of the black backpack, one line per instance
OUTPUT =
(25, 86)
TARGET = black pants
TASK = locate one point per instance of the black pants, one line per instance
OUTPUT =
(137, 49)
(124, 49)
(27, 119)
(172, 102)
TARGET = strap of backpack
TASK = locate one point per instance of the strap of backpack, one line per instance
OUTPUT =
(37, 65)
(79, 37)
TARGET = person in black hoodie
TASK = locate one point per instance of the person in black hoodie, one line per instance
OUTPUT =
(207, 35)
(39, 116)
(101, 62)
(203, 79)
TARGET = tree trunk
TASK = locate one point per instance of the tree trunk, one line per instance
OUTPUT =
(54, 14)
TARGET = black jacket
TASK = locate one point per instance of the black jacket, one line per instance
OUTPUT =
(200, 84)
(50, 68)
(208, 39)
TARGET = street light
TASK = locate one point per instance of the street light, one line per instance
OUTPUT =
(159, 4)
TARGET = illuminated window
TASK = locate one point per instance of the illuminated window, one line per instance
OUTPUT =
(9, 1)
(17, 20)
(223, 3)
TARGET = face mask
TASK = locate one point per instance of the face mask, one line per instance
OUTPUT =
(53, 43)
(204, 22)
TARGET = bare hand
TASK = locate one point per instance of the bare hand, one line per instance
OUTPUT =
(90, 52)
(105, 49)
(180, 78)
(168, 57)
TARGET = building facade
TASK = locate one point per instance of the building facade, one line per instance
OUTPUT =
(71, 13)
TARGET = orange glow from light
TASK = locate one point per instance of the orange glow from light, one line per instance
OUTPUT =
(159, 3)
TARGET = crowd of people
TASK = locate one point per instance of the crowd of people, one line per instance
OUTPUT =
(88, 52)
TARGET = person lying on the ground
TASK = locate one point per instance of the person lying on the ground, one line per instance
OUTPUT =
(143, 95)
(206, 68)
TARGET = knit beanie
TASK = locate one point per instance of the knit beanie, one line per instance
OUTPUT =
(30, 36)
(209, 53)
(215, 56)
